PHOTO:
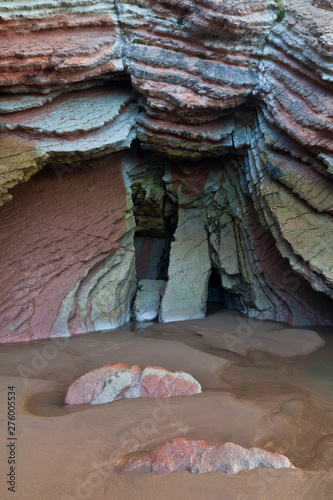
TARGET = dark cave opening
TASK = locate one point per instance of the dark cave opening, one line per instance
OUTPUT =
(216, 297)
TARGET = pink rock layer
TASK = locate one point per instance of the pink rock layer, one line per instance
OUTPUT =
(199, 457)
(56, 51)
(54, 236)
(120, 381)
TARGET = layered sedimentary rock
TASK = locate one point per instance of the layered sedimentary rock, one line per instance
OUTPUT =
(191, 62)
(189, 269)
(71, 230)
(293, 203)
(46, 45)
(257, 274)
(71, 128)
(199, 457)
(235, 97)
(118, 381)
(298, 73)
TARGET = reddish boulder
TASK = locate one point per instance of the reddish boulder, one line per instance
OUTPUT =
(198, 457)
(120, 381)
(156, 382)
(103, 385)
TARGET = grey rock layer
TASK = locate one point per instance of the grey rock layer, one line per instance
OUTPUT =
(148, 299)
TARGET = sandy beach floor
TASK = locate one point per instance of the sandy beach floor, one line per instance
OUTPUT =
(262, 394)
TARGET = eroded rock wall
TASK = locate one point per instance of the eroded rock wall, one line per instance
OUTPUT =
(191, 62)
(67, 253)
(235, 98)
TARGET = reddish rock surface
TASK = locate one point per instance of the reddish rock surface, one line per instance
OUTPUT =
(156, 382)
(198, 457)
(226, 80)
(298, 72)
(119, 381)
(294, 299)
(56, 237)
(53, 51)
(66, 128)
(149, 253)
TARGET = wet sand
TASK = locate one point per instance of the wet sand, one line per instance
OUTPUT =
(281, 403)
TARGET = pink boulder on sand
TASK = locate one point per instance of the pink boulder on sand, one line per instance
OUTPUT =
(119, 381)
(198, 457)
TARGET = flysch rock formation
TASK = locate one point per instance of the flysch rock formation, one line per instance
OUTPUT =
(192, 62)
(119, 381)
(198, 457)
(48, 45)
(226, 110)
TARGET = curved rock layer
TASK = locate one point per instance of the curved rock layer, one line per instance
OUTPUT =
(68, 129)
(263, 276)
(298, 71)
(67, 248)
(46, 45)
(191, 61)
(237, 96)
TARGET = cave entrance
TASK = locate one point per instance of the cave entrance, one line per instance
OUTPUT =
(216, 297)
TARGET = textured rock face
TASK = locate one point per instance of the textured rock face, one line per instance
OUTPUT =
(119, 381)
(72, 127)
(324, 4)
(239, 107)
(104, 385)
(257, 279)
(69, 258)
(191, 61)
(185, 295)
(198, 457)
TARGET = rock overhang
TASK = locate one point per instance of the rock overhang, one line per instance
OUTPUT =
(227, 82)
